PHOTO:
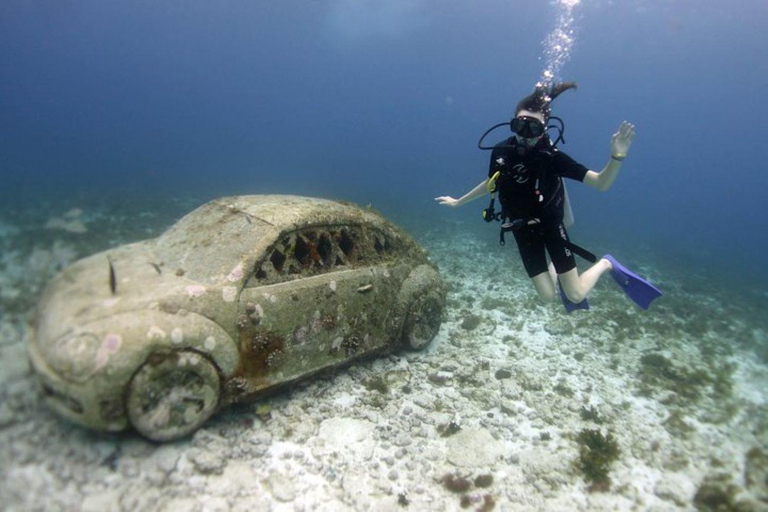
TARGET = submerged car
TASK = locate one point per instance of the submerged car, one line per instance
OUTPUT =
(239, 298)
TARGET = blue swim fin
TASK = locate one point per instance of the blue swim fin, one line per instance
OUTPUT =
(638, 289)
(570, 307)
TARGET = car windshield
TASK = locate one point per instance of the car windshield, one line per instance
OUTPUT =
(209, 244)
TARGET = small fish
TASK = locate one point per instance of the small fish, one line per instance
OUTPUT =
(157, 268)
(365, 288)
(248, 218)
(112, 277)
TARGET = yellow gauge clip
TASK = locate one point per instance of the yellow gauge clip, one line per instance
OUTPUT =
(491, 184)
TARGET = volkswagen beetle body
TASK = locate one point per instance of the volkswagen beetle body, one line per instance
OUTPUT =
(240, 297)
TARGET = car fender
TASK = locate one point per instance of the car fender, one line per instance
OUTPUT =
(184, 331)
(92, 365)
(421, 279)
(157, 331)
(122, 342)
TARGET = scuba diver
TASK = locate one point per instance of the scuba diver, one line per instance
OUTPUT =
(526, 171)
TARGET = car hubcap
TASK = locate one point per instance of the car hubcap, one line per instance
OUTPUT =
(423, 321)
(172, 395)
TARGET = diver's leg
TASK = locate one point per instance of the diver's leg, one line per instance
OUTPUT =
(577, 287)
(552, 273)
(530, 243)
(545, 287)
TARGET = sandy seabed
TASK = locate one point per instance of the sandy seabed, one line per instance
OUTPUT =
(489, 417)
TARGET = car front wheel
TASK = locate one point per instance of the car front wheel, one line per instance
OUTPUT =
(173, 394)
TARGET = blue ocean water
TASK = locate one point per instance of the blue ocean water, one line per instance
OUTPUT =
(383, 102)
(118, 117)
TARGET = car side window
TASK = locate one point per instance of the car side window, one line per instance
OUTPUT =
(319, 250)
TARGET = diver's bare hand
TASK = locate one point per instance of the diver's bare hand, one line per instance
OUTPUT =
(622, 139)
(447, 201)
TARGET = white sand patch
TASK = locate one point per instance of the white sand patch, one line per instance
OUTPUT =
(75, 226)
(344, 401)
(474, 448)
(346, 435)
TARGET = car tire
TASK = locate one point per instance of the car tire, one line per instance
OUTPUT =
(423, 320)
(173, 394)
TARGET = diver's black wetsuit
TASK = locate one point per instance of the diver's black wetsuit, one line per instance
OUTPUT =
(530, 187)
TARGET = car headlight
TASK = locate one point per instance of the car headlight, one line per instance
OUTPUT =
(74, 357)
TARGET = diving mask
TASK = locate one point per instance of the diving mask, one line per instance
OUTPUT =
(527, 127)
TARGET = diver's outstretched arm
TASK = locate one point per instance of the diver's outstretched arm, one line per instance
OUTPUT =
(479, 191)
(620, 143)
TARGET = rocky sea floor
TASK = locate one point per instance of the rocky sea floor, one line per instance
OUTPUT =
(514, 406)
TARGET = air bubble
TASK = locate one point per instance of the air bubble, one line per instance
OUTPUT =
(558, 44)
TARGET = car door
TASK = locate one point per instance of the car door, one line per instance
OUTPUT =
(324, 301)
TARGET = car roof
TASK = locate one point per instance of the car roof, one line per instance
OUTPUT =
(212, 241)
(289, 211)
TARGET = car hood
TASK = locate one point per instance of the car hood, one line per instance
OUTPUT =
(112, 282)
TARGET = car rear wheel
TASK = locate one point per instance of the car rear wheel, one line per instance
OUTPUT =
(173, 394)
(423, 320)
